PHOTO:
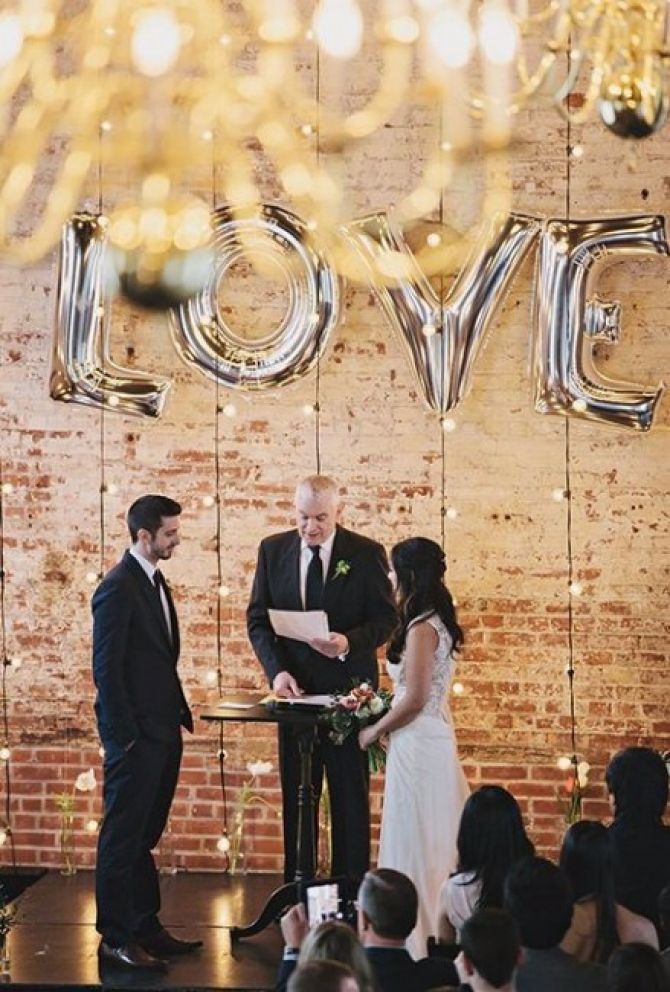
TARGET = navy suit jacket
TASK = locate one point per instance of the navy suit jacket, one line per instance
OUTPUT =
(359, 604)
(135, 659)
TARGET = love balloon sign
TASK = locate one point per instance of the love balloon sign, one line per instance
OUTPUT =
(442, 338)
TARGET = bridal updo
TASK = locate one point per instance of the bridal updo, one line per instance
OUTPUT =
(420, 565)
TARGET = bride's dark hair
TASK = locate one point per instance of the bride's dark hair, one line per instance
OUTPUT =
(419, 565)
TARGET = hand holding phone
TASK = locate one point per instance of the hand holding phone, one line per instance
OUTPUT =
(294, 925)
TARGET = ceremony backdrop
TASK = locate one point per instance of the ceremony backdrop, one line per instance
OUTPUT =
(528, 504)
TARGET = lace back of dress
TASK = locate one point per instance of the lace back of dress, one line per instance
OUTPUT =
(442, 671)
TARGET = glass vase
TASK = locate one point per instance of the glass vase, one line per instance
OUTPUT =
(67, 848)
(236, 861)
(5, 963)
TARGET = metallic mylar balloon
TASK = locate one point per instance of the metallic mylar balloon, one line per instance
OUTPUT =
(159, 252)
(633, 107)
(442, 338)
(206, 341)
(82, 370)
(568, 320)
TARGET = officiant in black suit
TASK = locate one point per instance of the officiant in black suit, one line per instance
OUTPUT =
(140, 708)
(323, 566)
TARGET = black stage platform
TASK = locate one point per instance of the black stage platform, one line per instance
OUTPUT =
(53, 944)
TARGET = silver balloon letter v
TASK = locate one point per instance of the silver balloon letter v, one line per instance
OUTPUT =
(443, 337)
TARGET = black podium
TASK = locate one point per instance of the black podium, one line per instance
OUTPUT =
(303, 719)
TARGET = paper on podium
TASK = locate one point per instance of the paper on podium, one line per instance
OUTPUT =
(299, 625)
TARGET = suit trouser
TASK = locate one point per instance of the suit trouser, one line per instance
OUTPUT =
(139, 785)
(347, 774)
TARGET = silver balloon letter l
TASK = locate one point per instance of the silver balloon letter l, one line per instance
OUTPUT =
(82, 371)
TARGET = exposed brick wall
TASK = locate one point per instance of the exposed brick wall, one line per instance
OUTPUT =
(507, 546)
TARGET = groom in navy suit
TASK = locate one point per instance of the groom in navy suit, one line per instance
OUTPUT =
(140, 708)
(321, 565)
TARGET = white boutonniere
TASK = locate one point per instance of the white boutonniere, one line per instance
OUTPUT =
(342, 567)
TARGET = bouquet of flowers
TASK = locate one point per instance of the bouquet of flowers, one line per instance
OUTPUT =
(353, 711)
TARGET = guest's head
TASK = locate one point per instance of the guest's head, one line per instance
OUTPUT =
(153, 523)
(317, 508)
(636, 968)
(586, 860)
(637, 780)
(491, 837)
(538, 896)
(335, 941)
(587, 863)
(490, 949)
(418, 565)
(387, 906)
(322, 976)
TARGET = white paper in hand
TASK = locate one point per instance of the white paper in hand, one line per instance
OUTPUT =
(300, 625)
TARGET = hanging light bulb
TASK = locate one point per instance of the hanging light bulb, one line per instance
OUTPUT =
(338, 28)
(11, 37)
(223, 844)
(155, 42)
(498, 36)
(450, 38)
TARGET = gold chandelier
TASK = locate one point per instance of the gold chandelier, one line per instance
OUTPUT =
(277, 92)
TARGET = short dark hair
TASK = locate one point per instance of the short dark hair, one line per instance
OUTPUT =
(538, 896)
(147, 513)
(390, 901)
(637, 777)
(319, 976)
(490, 940)
(633, 967)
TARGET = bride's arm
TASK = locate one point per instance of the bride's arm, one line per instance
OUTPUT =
(419, 660)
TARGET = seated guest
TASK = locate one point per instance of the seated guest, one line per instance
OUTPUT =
(330, 940)
(491, 837)
(490, 951)
(599, 923)
(637, 781)
(636, 968)
(323, 976)
(387, 912)
(538, 896)
(664, 917)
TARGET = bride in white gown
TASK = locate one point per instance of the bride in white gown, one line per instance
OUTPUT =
(425, 787)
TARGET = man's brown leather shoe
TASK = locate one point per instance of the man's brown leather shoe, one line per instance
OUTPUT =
(164, 945)
(130, 956)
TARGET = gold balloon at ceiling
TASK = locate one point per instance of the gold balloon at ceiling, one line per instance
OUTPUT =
(158, 89)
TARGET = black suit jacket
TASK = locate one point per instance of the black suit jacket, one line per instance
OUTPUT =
(135, 659)
(394, 971)
(359, 604)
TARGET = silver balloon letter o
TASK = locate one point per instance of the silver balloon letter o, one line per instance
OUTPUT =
(205, 340)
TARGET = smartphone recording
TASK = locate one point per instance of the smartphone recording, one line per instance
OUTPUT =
(322, 902)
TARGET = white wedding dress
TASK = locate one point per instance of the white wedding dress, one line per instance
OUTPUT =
(424, 792)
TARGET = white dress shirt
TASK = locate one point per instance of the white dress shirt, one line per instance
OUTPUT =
(150, 570)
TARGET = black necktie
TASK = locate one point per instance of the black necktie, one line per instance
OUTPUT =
(314, 581)
(158, 582)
